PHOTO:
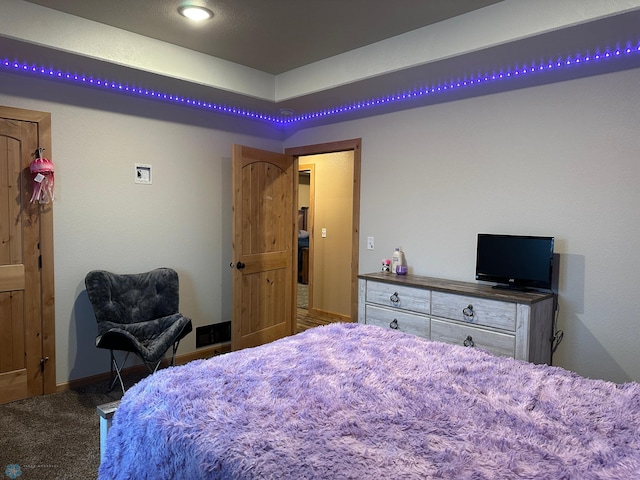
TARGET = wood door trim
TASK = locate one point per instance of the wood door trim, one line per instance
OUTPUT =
(331, 147)
(311, 167)
(43, 121)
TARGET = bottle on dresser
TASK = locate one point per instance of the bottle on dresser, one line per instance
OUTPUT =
(398, 262)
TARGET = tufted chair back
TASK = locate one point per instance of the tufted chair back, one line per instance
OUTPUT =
(137, 313)
(132, 298)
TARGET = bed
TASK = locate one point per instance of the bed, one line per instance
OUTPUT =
(353, 401)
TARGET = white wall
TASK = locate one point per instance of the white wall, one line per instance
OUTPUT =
(333, 196)
(103, 220)
(561, 160)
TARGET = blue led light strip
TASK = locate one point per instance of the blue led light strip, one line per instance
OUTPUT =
(14, 66)
(474, 81)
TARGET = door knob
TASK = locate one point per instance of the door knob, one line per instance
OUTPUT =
(239, 265)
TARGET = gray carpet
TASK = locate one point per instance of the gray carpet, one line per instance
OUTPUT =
(55, 436)
(303, 295)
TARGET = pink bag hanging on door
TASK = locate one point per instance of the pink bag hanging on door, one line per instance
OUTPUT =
(42, 171)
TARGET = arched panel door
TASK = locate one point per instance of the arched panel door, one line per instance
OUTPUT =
(263, 246)
(27, 320)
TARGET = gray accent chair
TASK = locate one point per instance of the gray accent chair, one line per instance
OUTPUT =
(137, 313)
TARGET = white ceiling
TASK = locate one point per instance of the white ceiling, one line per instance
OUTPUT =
(313, 56)
(273, 36)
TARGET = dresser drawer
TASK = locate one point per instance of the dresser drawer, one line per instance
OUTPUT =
(405, 322)
(398, 296)
(479, 311)
(502, 344)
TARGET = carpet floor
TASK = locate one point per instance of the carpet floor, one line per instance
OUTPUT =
(55, 436)
(303, 295)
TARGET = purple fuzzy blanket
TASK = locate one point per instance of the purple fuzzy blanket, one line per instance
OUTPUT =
(350, 401)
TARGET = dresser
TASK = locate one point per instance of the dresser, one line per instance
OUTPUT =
(505, 322)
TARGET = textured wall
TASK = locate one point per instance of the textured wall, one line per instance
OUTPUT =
(560, 159)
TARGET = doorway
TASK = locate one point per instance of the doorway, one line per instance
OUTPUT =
(319, 269)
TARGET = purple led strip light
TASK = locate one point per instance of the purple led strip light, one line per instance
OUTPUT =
(114, 86)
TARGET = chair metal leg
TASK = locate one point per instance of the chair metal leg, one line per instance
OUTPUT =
(173, 359)
(154, 369)
(173, 355)
(118, 368)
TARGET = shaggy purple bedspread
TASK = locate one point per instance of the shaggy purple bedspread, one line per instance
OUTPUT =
(350, 401)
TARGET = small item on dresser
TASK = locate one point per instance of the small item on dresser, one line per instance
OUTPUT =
(397, 259)
(401, 269)
(386, 265)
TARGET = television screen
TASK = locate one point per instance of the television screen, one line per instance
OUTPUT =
(515, 261)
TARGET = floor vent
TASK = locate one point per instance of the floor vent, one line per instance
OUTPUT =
(213, 334)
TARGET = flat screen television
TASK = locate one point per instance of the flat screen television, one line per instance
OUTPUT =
(515, 261)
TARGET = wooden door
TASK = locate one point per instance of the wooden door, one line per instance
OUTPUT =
(264, 221)
(26, 288)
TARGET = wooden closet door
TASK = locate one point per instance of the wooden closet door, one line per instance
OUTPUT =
(25, 324)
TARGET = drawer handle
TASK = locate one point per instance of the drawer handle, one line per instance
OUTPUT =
(468, 312)
(468, 342)
(395, 298)
(394, 324)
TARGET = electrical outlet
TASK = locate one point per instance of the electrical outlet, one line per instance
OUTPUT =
(369, 243)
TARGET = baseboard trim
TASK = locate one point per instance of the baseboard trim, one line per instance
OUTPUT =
(201, 353)
(336, 317)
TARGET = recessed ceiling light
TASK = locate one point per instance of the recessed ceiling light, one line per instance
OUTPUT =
(195, 13)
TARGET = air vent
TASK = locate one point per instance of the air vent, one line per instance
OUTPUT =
(213, 334)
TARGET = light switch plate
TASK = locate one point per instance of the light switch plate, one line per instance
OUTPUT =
(143, 173)
(369, 243)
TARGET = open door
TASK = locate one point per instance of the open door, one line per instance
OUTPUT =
(264, 220)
